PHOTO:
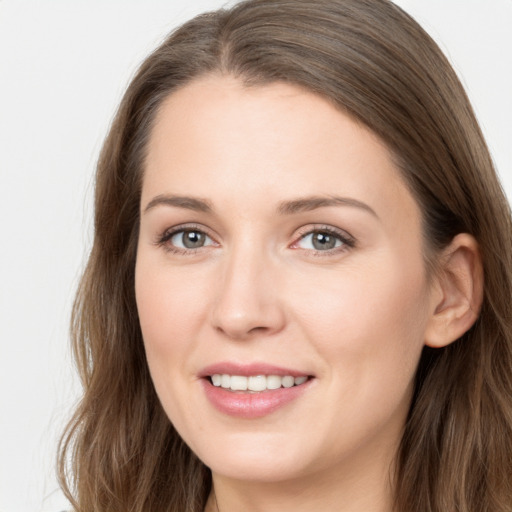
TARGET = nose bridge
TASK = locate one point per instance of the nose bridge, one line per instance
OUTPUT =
(247, 300)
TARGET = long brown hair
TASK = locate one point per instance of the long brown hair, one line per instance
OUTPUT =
(371, 60)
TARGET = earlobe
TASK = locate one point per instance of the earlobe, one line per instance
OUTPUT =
(458, 292)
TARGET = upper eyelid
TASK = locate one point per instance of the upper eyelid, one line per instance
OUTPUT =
(165, 236)
(187, 227)
(319, 228)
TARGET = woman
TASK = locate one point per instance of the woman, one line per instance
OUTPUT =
(298, 294)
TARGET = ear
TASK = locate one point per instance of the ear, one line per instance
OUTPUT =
(458, 292)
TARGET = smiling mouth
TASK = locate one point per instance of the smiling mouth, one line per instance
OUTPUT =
(255, 383)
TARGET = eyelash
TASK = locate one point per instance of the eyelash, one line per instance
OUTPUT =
(163, 240)
(347, 241)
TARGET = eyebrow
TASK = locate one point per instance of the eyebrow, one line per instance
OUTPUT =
(295, 206)
(307, 204)
(186, 202)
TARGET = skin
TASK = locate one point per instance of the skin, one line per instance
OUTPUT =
(355, 317)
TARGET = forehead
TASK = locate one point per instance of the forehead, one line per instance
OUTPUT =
(215, 136)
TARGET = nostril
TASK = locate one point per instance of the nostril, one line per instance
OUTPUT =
(258, 329)
(240, 331)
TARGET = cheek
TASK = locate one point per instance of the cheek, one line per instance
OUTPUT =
(168, 303)
(370, 317)
(170, 313)
(369, 327)
(169, 309)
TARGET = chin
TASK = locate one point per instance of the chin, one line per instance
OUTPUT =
(267, 470)
(260, 458)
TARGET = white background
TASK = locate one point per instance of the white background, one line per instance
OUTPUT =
(63, 68)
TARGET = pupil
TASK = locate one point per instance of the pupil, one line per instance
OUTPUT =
(322, 241)
(193, 239)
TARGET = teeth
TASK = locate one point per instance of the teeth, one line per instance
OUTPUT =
(288, 381)
(274, 382)
(238, 383)
(256, 382)
(225, 381)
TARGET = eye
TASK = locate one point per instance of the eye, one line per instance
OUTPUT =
(319, 241)
(183, 239)
(189, 239)
(324, 240)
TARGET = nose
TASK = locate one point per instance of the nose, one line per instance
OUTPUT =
(249, 297)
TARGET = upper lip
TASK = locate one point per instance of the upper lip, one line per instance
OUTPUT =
(248, 369)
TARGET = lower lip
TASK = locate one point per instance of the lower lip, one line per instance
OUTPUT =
(251, 405)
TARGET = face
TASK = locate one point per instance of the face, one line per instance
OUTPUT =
(280, 282)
